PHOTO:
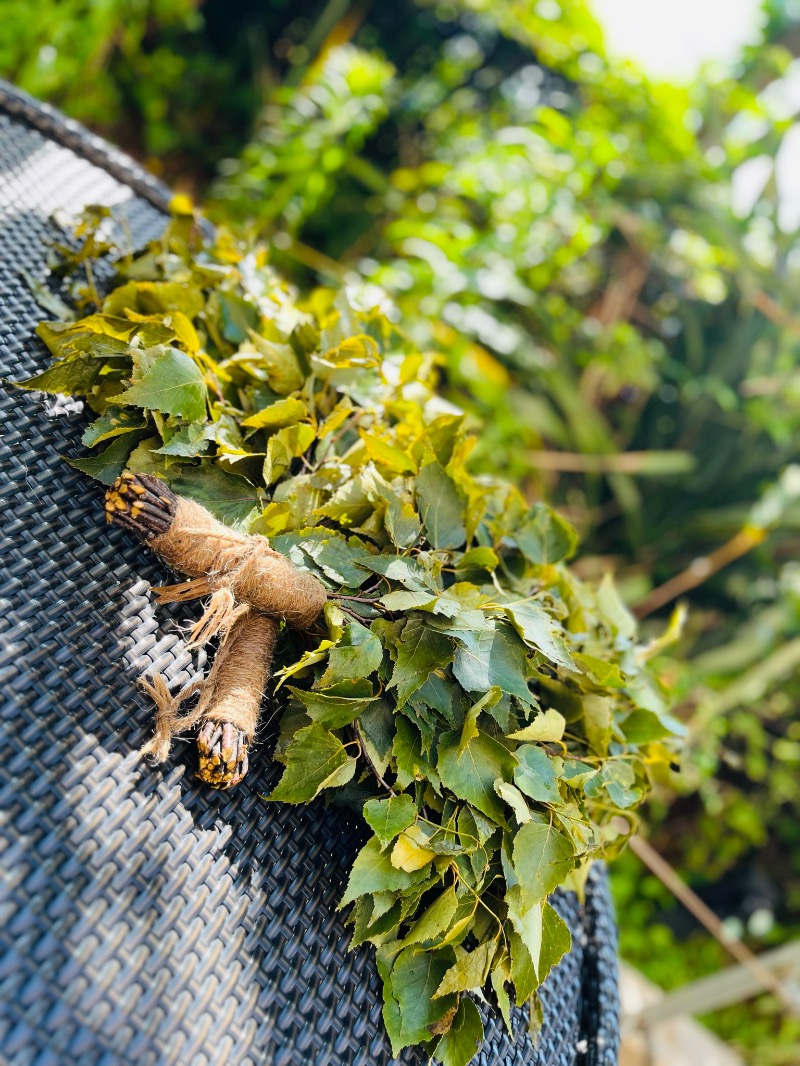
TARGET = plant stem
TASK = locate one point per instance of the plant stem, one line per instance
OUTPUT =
(700, 570)
(707, 918)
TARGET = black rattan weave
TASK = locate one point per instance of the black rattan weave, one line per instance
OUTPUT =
(145, 919)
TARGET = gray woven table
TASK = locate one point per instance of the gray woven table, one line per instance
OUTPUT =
(144, 918)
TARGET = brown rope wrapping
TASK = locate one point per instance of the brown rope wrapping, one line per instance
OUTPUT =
(240, 672)
(218, 557)
(232, 692)
(252, 588)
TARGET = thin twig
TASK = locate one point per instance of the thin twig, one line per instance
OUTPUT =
(652, 463)
(357, 599)
(772, 310)
(700, 570)
(352, 614)
(708, 919)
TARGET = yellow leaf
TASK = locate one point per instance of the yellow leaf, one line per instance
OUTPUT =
(547, 726)
(386, 455)
(185, 331)
(359, 351)
(408, 855)
(181, 204)
(279, 414)
(308, 658)
(337, 417)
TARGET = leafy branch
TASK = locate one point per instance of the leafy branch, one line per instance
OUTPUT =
(514, 718)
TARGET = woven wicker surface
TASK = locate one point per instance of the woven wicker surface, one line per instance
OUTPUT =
(145, 919)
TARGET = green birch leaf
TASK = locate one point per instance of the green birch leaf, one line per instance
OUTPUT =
(373, 872)
(188, 441)
(617, 614)
(537, 774)
(383, 926)
(416, 975)
(315, 760)
(402, 521)
(357, 655)
(385, 958)
(72, 377)
(307, 659)
(237, 317)
(529, 925)
(495, 657)
(46, 299)
(382, 902)
(412, 764)
(641, 727)
(462, 602)
(388, 817)
(405, 571)
(155, 297)
(405, 600)
(479, 559)
(617, 779)
(443, 433)
(469, 972)
(440, 507)
(597, 722)
(420, 650)
(143, 460)
(114, 422)
(471, 775)
(173, 385)
(523, 971)
(361, 918)
(387, 455)
(338, 416)
(545, 537)
(229, 497)
(540, 630)
(97, 335)
(463, 1039)
(470, 729)
(332, 709)
(376, 730)
(279, 361)
(535, 1018)
(360, 351)
(543, 856)
(500, 976)
(109, 464)
(437, 693)
(556, 940)
(473, 836)
(328, 554)
(350, 505)
(434, 920)
(462, 921)
(603, 673)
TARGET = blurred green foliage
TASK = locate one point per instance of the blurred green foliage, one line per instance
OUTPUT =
(610, 270)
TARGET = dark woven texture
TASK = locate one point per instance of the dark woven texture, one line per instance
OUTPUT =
(144, 918)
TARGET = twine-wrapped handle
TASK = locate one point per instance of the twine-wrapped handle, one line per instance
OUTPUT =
(253, 588)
